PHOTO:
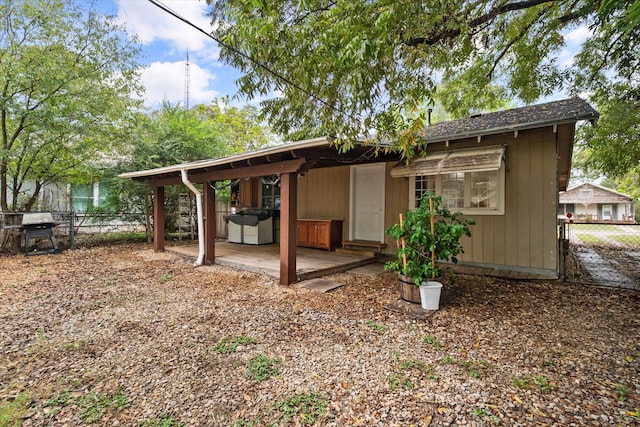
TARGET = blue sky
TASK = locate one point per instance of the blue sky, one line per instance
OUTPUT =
(166, 40)
(165, 43)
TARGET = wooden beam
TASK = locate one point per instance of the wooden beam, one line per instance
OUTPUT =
(209, 207)
(289, 166)
(158, 219)
(288, 222)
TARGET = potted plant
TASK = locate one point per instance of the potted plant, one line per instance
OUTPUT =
(425, 236)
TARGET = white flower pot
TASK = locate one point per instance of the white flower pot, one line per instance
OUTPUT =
(430, 295)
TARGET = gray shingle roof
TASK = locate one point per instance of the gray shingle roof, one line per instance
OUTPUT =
(557, 112)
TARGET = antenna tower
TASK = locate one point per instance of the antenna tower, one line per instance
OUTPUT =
(187, 83)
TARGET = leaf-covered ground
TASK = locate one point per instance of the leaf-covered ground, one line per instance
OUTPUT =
(121, 336)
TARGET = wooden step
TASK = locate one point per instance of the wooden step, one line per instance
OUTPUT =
(361, 252)
(359, 244)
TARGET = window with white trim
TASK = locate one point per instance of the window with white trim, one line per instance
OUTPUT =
(468, 192)
(477, 189)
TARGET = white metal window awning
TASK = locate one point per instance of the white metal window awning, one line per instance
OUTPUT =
(467, 160)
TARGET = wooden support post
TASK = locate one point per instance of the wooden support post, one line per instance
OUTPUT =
(288, 219)
(158, 219)
(209, 207)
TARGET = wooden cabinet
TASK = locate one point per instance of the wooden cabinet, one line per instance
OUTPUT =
(248, 197)
(319, 233)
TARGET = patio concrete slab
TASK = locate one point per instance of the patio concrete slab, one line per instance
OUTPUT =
(265, 259)
(320, 285)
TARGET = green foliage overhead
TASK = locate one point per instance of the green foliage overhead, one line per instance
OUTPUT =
(355, 68)
(67, 76)
(613, 146)
(172, 135)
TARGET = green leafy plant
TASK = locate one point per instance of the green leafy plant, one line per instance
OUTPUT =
(245, 423)
(410, 364)
(304, 408)
(165, 420)
(262, 367)
(622, 392)
(543, 384)
(230, 345)
(479, 412)
(165, 277)
(399, 380)
(420, 248)
(375, 326)
(539, 381)
(92, 406)
(447, 359)
(11, 411)
(76, 345)
(433, 341)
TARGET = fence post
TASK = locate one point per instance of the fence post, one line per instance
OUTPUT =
(72, 230)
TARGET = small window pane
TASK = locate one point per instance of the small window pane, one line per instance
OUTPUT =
(271, 196)
(484, 190)
(453, 190)
(424, 183)
(586, 194)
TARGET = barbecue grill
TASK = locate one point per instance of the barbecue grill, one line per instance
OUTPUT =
(37, 225)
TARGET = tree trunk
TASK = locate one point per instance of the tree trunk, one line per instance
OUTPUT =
(11, 237)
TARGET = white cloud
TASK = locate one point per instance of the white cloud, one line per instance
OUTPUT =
(152, 24)
(566, 58)
(166, 80)
(579, 35)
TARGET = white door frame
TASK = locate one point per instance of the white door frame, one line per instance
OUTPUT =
(352, 198)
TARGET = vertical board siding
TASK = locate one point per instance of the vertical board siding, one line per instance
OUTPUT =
(536, 200)
(396, 202)
(523, 211)
(324, 193)
(525, 236)
(499, 240)
(550, 202)
(511, 203)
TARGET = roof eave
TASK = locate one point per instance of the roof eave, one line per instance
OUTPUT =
(308, 143)
(510, 128)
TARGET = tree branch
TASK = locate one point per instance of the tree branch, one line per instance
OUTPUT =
(443, 35)
(513, 41)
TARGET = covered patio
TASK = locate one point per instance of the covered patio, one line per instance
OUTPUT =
(265, 259)
(288, 162)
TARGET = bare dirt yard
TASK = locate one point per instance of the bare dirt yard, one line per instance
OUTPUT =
(121, 336)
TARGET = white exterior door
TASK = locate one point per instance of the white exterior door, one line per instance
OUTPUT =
(367, 202)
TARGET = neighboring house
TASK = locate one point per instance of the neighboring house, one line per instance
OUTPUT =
(52, 197)
(86, 196)
(59, 197)
(504, 169)
(593, 203)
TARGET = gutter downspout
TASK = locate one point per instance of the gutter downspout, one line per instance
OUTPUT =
(194, 190)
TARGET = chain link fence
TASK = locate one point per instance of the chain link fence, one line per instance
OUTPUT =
(91, 229)
(603, 254)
